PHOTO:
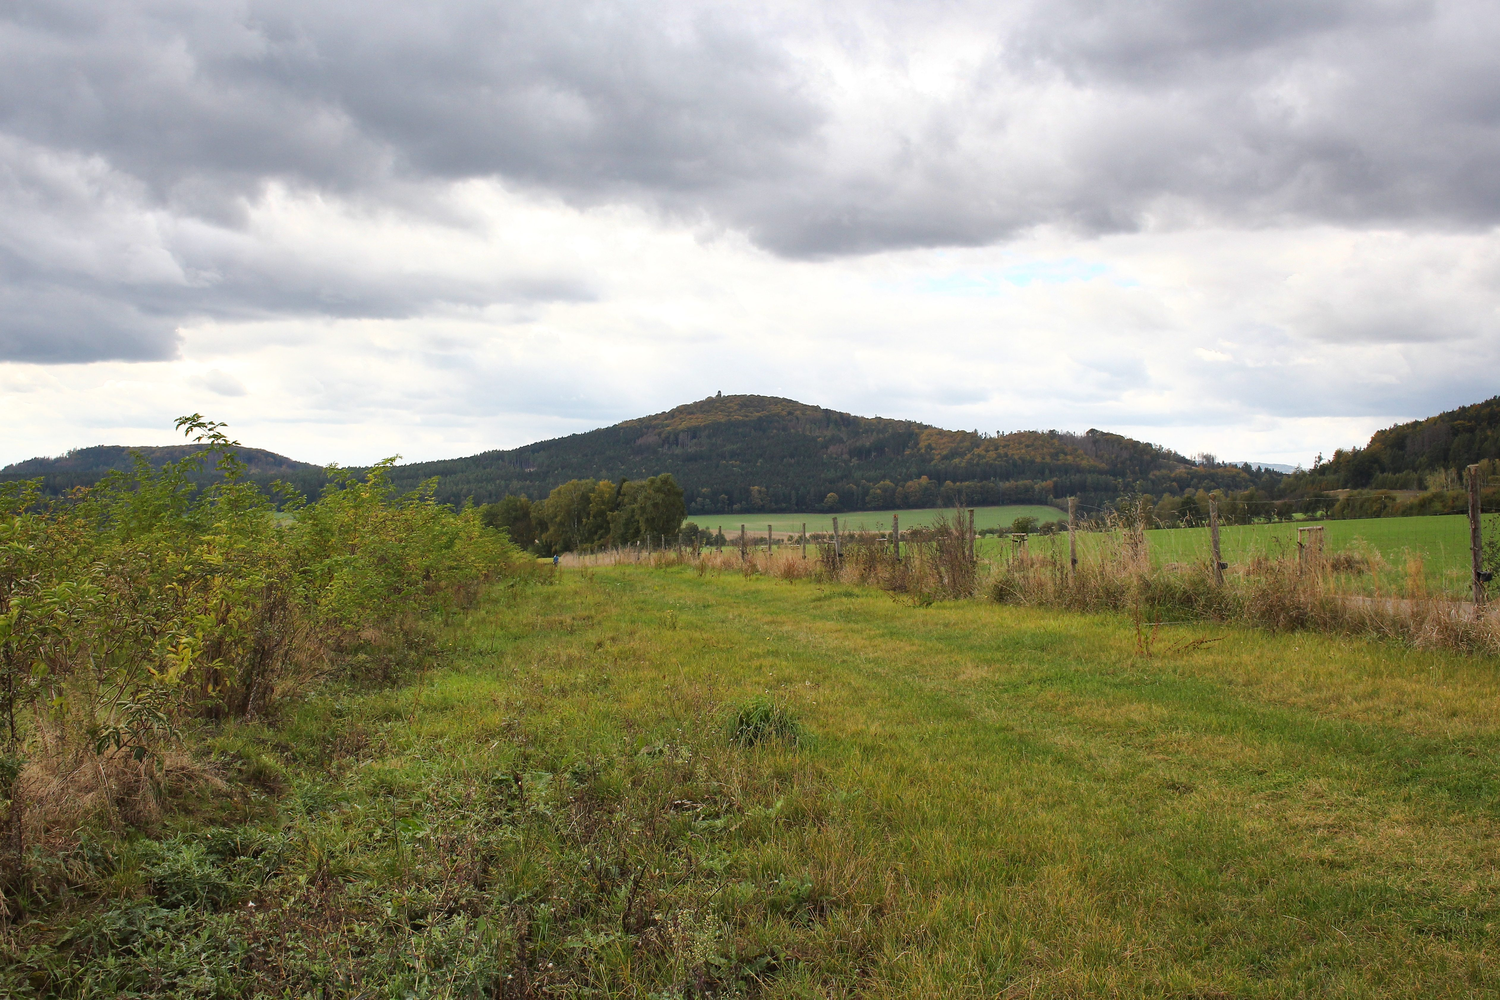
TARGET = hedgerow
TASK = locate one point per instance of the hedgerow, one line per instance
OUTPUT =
(147, 604)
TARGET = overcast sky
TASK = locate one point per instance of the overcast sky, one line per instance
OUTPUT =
(1263, 229)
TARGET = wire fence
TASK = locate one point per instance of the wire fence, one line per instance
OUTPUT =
(1424, 579)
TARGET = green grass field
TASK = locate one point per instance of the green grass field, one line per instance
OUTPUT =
(868, 520)
(986, 801)
(1442, 543)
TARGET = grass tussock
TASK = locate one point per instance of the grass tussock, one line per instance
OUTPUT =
(762, 720)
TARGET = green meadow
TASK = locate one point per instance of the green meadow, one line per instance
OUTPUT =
(1441, 542)
(651, 783)
(1439, 545)
(870, 520)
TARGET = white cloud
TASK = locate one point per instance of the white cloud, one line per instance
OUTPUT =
(439, 228)
(1116, 337)
(220, 383)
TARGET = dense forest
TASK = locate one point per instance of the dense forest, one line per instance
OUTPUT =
(743, 454)
(87, 466)
(1420, 455)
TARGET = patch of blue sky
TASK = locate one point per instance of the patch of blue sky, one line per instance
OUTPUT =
(1049, 272)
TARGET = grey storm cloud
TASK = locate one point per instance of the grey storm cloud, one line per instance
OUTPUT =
(1099, 116)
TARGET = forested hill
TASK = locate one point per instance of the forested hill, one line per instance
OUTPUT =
(86, 466)
(750, 453)
(738, 454)
(1418, 454)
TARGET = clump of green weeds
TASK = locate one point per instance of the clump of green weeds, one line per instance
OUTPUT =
(511, 873)
(761, 720)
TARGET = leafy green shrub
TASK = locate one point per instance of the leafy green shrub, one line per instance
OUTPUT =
(133, 607)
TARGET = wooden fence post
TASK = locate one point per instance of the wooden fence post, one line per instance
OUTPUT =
(973, 539)
(1213, 537)
(1476, 537)
(1309, 549)
(896, 534)
(1072, 537)
(769, 540)
(744, 548)
(804, 539)
(838, 553)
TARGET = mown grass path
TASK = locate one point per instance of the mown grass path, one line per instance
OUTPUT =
(988, 801)
(1017, 802)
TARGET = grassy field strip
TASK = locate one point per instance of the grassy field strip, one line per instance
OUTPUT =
(1003, 799)
(869, 520)
(1442, 543)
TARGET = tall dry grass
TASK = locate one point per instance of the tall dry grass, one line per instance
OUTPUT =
(1269, 591)
(936, 563)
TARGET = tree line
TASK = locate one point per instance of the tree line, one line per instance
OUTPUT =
(585, 514)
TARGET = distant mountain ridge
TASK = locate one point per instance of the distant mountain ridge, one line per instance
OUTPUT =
(86, 466)
(743, 453)
(748, 453)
